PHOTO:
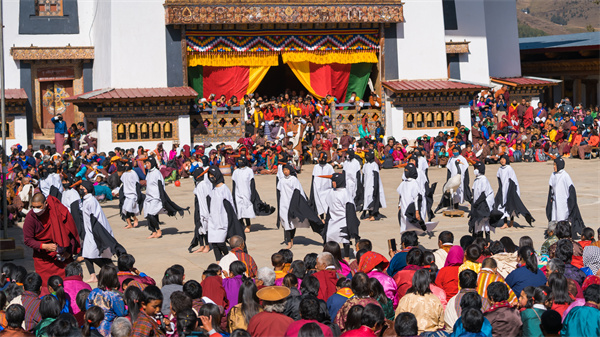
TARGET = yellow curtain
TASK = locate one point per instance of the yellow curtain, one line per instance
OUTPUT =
(255, 76)
(329, 57)
(232, 59)
(302, 72)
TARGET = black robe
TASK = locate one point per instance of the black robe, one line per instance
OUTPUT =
(514, 205)
(169, 206)
(300, 211)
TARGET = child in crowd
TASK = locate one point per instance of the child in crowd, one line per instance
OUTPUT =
(146, 324)
(93, 318)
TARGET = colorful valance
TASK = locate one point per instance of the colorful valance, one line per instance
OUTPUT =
(341, 57)
(233, 59)
(282, 41)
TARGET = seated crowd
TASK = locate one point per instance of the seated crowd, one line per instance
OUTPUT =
(474, 288)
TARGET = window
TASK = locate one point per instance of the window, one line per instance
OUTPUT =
(49, 7)
(7, 130)
(121, 135)
(453, 64)
(450, 20)
(449, 118)
(439, 118)
(429, 120)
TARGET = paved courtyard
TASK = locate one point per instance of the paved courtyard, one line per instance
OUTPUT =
(154, 256)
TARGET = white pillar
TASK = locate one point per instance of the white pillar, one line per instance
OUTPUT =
(185, 134)
(464, 113)
(104, 128)
(397, 124)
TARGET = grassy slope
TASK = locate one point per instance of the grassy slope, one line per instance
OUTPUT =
(579, 14)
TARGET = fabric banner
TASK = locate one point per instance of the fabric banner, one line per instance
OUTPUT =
(228, 81)
(359, 78)
(342, 57)
(233, 59)
(323, 79)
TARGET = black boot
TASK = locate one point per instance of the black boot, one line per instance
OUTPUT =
(487, 235)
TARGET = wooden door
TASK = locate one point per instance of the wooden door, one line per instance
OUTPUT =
(53, 102)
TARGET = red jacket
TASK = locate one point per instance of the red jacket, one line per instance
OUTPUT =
(363, 331)
(327, 280)
(403, 280)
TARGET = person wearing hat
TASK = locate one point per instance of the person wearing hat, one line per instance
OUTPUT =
(374, 197)
(271, 321)
(50, 182)
(353, 175)
(222, 222)
(201, 212)
(341, 224)
(508, 202)
(157, 199)
(99, 244)
(412, 207)
(320, 187)
(131, 198)
(293, 208)
(483, 194)
(562, 199)
(463, 193)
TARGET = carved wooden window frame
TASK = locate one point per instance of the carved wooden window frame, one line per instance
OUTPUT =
(424, 125)
(127, 122)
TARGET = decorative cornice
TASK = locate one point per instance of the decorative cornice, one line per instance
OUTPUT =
(565, 66)
(355, 12)
(52, 53)
(457, 47)
(433, 100)
(129, 109)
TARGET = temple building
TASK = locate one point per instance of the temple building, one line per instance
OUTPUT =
(137, 69)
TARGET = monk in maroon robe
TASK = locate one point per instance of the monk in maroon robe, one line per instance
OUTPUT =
(49, 229)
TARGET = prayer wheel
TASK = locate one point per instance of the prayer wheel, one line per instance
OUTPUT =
(156, 130)
(409, 120)
(145, 131)
(168, 130)
(439, 118)
(449, 118)
(133, 130)
(121, 131)
(420, 120)
(429, 119)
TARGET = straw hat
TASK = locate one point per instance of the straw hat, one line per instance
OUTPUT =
(273, 293)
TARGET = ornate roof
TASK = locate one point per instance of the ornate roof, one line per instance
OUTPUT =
(271, 11)
(525, 81)
(398, 86)
(129, 94)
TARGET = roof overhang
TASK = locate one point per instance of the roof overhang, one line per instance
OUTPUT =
(184, 12)
(453, 47)
(439, 85)
(525, 81)
(108, 95)
(16, 101)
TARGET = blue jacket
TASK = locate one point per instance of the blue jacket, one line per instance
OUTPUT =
(522, 277)
(59, 126)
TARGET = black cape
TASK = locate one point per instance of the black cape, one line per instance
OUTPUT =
(77, 215)
(300, 211)
(352, 223)
(411, 214)
(575, 218)
(360, 191)
(514, 205)
(140, 199)
(104, 240)
(170, 207)
(234, 225)
(479, 210)
(260, 207)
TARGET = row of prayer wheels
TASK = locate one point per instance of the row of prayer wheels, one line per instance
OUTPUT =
(145, 130)
(429, 119)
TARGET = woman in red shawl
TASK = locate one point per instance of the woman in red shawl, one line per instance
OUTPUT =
(447, 277)
(49, 229)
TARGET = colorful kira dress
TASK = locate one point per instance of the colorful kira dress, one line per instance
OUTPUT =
(111, 302)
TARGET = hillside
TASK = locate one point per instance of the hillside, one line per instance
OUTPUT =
(557, 17)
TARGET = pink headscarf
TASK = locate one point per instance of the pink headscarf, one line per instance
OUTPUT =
(455, 257)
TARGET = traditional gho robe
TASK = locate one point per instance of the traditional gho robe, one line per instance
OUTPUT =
(99, 241)
(223, 221)
(201, 196)
(294, 209)
(55, 225)
(245, 196)
(463, 193)
(374, 197)
(131, 198)
(51, 185)
(508, 197)
(412, 199)
(483, 196)
(562, 199)
(320, 187)
(353, 178)
(341, 223)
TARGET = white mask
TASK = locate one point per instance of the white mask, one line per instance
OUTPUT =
(38, 211)
(476, 171)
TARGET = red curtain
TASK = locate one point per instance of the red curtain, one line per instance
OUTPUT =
(228, 81)
(330, 79)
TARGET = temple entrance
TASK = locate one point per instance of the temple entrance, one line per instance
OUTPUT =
(278, 80)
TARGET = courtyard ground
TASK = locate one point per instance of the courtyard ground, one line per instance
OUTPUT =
(155, 255)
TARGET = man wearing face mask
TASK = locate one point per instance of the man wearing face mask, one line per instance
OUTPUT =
(223, 221)
(50, 181)
(50, 231)
(483, 194)
(412, 207)
(60, 129)
(341, 224)
(374, 197)
(562, 198)
(320, 187)
(157, 199)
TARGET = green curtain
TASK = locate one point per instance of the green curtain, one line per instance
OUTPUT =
(195, 79)
(359, 77)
